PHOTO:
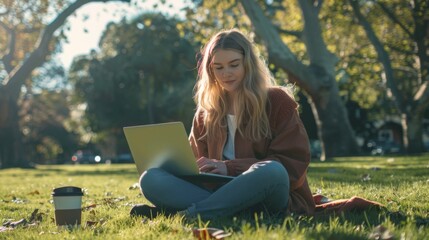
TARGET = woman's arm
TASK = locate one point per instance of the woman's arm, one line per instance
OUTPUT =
(198, 144)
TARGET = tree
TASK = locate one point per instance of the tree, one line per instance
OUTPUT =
(18, 19)
(45, 116)
(408, 89)
(142, 74)
(317, 78)
(45, 126)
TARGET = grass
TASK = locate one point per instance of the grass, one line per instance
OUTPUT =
(400, 183)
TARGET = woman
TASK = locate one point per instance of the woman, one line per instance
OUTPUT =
(244, 126)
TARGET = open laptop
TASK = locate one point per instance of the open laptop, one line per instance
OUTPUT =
(166, 146)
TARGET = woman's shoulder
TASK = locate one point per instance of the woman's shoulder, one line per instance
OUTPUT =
(282, 95)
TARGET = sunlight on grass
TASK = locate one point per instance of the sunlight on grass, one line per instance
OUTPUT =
(400, 183)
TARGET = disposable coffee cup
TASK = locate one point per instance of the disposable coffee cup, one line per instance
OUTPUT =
(68, 205)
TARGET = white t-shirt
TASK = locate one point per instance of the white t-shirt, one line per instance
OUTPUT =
(229, 150)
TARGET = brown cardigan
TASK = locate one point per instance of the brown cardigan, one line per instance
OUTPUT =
(289, 145)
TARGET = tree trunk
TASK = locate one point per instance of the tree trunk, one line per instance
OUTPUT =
(317, 79)
(11, 154)
(331, 117)
(412, 125)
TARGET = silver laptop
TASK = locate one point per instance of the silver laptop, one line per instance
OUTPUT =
(166, 146)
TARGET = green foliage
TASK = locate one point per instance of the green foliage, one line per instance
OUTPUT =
(144, 73)
(44, 125)
(26, 19)
(359, 71)
(396, 25)
(50, 76)
(400, 183)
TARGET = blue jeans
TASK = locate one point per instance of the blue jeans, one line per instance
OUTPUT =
(265, 183)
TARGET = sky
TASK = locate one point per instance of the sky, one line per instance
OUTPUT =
(89, 21)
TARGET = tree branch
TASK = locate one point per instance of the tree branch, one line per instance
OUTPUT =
(381, 55)
(7, 58)
(297, 34)
(394, 47)
(316, 47)
(17, 77)
(392, 17)
(279, 53)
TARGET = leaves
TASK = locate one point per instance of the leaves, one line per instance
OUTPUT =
(209, 233)
(366, 177)
(381, 233)
(134, 186)
(142, 67)
(34, 220)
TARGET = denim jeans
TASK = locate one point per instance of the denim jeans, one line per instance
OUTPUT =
(265, 183)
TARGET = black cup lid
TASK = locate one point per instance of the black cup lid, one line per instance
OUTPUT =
(67, 191)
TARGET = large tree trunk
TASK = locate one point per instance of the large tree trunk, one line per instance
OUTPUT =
(413, 133)
(11, 153)
(332, 120)
(316, 79)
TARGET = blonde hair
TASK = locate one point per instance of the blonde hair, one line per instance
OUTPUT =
(251, 102)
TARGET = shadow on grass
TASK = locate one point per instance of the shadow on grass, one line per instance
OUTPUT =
(352, 225)
(43, 171)
(384, 176)
(95, 172)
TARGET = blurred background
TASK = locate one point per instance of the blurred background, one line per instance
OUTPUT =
(73, 73)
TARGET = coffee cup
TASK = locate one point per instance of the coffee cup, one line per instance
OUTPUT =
(68, 205)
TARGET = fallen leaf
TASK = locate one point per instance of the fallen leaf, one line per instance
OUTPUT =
(34, 193)
(381, 233)
(36, 216)
(21, 222)
(4, 229)
(134, 186)
(366, 177)
(91, 223)
(209, 233)
(89, 207)
(34, 220)
(18, 200)
(95, 223)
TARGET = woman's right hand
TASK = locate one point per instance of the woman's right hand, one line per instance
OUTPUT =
(212, 166)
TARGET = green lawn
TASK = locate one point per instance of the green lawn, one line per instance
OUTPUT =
(400, 183)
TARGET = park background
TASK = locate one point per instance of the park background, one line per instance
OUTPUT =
(360, 71)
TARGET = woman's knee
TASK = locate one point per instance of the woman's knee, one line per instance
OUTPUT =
(152, 183)
(272, 170)
(150, 179)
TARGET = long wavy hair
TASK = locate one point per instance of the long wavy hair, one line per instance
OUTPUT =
(251, 98)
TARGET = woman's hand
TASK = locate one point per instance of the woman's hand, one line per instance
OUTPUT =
(212, 166)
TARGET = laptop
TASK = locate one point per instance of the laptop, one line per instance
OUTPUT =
(166, 146)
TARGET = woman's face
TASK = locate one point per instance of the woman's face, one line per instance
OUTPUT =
(228, 69)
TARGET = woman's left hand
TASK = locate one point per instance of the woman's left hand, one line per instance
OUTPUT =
(212, 166)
